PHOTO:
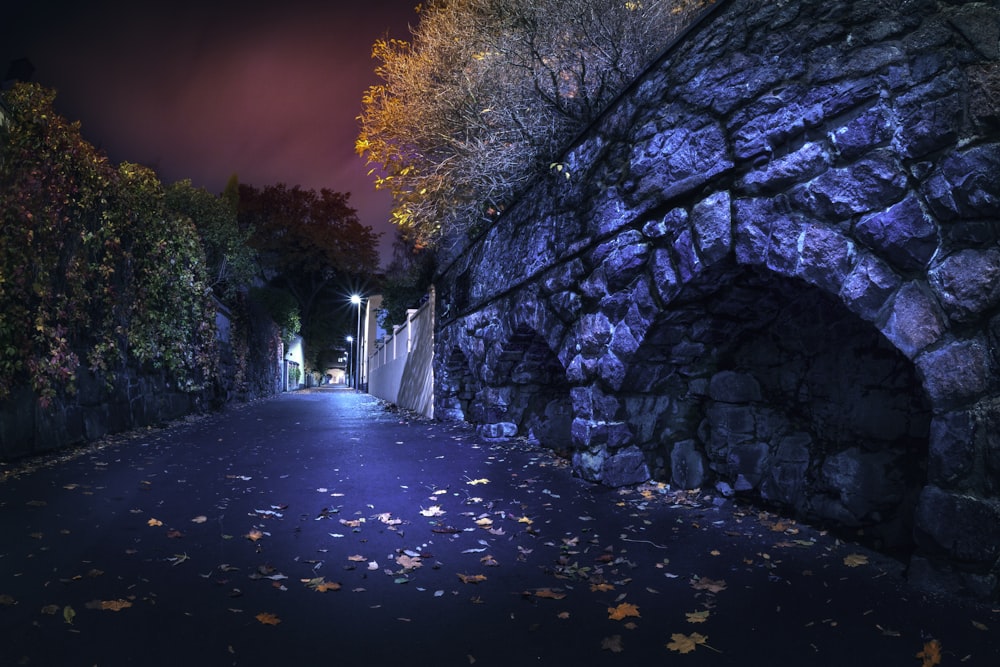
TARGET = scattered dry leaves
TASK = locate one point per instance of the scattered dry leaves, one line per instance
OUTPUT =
(854, 560)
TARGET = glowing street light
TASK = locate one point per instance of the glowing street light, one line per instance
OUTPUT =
(356, 300)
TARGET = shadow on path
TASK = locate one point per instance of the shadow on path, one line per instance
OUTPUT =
(321, 528)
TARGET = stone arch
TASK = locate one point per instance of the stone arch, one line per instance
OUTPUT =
(455, 387)
(527, 394)
(774, 387)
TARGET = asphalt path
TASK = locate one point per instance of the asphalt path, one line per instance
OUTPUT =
(324, 528)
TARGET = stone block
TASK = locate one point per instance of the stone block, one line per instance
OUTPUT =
(957, 372)
(952, 448)
(872, 183)
(868, 286)
(825, 258)
(497, 431)
(914, 320)
(688, 465)
(966, 184)
(870, 130)
(967, 283)
(625, 467)
(733, 387)
(903, 234)
(961, 526)
(711, 220)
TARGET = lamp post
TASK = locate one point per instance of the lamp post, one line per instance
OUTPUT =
(356, 300)
(350, 352)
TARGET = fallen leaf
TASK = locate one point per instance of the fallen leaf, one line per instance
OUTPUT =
(50, 609)
(472, 578)
(697, 616)
(254, 535)
(710, 585)
(547, 593)
(408, 562)
(199, 519)
(854, 560)
(612, 643)
(980, 626)
(267, 619)
(357, 558)
(485, 522)
(7, 600)
(321, 585)
(154, 523)
(69, 614)
(623, 610)
(686, 643)
(563, 615)
(931, 655)
(115, 605)
(433, 510)
(481, 480)
(602, 587)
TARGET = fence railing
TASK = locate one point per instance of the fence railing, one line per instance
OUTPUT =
(400, 366)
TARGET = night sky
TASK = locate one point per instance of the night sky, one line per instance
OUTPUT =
(202, 89)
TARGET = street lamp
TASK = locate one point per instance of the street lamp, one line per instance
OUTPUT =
(350, 352)
(356, 300)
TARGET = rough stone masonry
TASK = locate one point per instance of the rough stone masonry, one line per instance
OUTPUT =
(775, 269)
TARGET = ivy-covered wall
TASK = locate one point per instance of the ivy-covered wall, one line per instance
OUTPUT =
(107, 319)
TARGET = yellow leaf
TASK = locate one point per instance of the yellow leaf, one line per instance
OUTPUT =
(69, 614)
(409, 562)
(481, 480)
(623, 610)
(931, 655)
(697, 616)
(687, 643)
(267, 619)
(357, 558)
(154, 522)
(602, 587)
(254, 535)
(472, 578)
(854, 560)
(484, 522)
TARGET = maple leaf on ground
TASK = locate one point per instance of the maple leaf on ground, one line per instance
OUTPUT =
(710, 585)
(254, 535)
(409, 562)
(321, 585)
(154, 523)
(931, 655)
(686, 643)
(623, 610)
(267, 618)
(602, 587)
(472, 578)
(854, 560)
(481, 480)
(612, 643)
(109, 605)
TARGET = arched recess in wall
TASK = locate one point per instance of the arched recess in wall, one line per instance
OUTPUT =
(773, 386)
(455, 388)
(529, 392)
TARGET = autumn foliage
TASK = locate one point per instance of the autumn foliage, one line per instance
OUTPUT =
(485, 94)
(96, 269)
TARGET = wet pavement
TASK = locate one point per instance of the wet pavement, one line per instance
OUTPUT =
(323, 528)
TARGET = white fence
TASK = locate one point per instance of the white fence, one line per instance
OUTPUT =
(401, 364)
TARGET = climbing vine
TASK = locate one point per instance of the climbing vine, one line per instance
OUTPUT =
(94, 266)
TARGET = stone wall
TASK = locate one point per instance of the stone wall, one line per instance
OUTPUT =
(141, 395)
(775, 268)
